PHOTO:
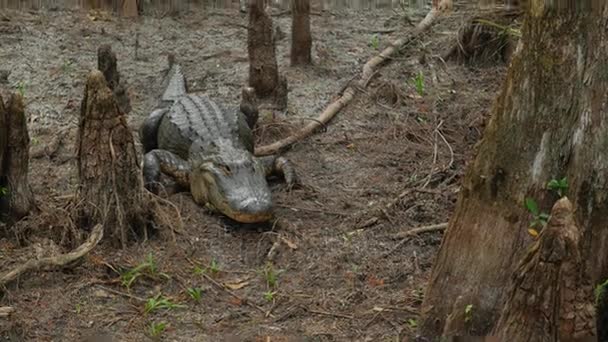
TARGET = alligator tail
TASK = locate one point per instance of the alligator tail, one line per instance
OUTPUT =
(175, 81)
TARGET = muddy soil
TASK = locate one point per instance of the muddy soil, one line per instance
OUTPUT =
(333, 266)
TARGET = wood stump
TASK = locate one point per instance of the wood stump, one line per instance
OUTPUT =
(106, 63)
(17, 198)
(111, 188)
(550, 297)
(301, 38)
(263, 69)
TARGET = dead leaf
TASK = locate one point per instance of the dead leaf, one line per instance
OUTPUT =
(374, 282)
(289, 243)
(533, 232)
(236, 301)
(236, 286)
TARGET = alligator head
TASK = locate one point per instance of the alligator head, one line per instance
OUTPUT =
(230, 180)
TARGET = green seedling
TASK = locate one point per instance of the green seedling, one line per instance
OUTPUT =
(419, 83)
(147, 268)
(156, 329)
(198, 270)
(195, 293)
(539, 220)
(3, 191)
(412, 323)
(271, 275)
(600, 291)
(375, 42)
(559, 186)
(66, 66)
(214, 267)
(160, 302)
(269, 295)
(468, 313)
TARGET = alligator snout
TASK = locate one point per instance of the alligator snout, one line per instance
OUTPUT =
(254, 205)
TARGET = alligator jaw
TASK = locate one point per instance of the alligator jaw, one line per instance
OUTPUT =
(250, 218)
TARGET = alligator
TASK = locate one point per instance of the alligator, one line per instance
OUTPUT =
(207, 147)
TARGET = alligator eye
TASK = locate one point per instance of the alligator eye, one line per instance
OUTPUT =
(225, 169)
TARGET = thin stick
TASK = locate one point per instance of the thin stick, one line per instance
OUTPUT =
(57, 260)
(124, 294)
(330, 314)
(407, 235)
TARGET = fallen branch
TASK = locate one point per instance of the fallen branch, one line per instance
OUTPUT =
(369, 69)
(412, 232)
(57, 260)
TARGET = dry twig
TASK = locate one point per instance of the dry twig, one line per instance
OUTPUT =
(413, 232)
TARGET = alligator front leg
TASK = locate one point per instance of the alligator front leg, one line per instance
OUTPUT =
(276, 165)
(165, 162)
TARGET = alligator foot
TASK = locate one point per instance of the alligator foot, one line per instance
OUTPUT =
(165, 162)
(275, 165)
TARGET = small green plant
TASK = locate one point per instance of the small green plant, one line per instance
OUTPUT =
(147, 268)
(540, 219)
(214, 267)
(78, 308)
(559, 186)
(21, 88)
(198, 270)
(419, 83)
(600, 291)
(271, 275)
(375, 42)
(3, 191)
(412, 323)
(468, 313)
(195, 293)
(160, 302)
(269, 295)
(66, 66)
(156, 329)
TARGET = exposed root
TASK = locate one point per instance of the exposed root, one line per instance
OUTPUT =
(60, 260)
(413, 232)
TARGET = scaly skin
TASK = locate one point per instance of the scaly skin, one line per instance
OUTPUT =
(208, 149)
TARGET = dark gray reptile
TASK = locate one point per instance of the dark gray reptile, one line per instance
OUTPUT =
(208, 148)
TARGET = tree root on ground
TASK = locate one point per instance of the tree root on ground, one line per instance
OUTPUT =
(57, 260)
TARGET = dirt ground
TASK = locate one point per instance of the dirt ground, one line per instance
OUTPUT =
(342, 269)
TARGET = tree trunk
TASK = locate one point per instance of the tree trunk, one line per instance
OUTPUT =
(548, 122)
(129, 8)
(17, 197)
(3, 136)
(111, 189)
(301, 39)
(550, 296)
(263, 69)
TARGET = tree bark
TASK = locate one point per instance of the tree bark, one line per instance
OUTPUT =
(301, 39)
(263, 68)
(550, 296)
(548, 122)
(18, 199)
(111, 189)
